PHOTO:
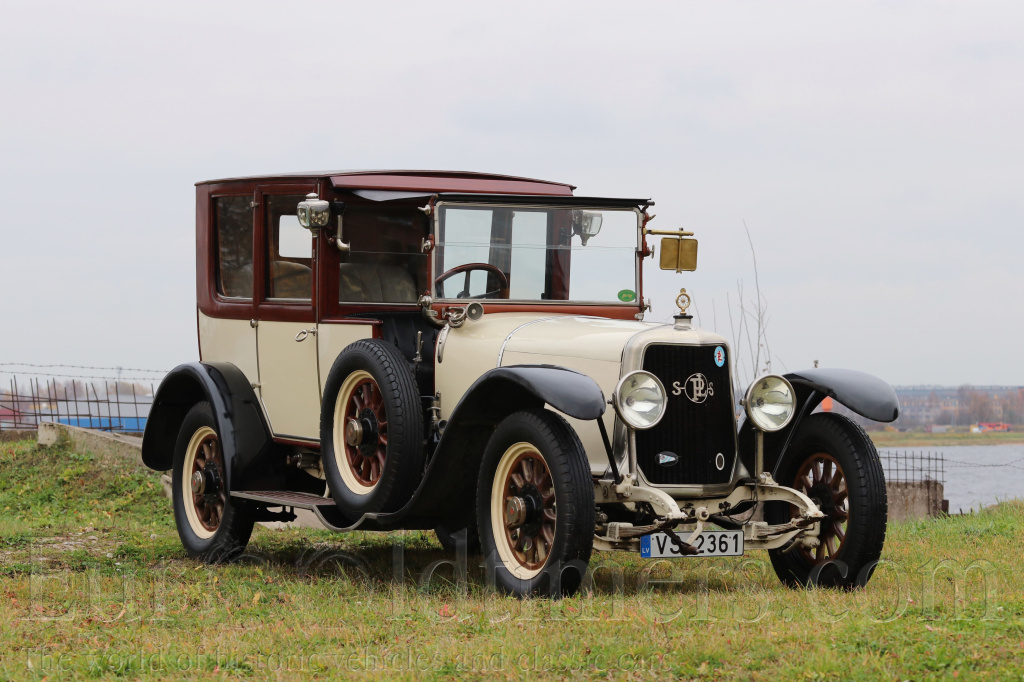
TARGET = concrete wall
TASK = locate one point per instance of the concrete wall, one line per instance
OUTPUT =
(88, 440)
(913, 501)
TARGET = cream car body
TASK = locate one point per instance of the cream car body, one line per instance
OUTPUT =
(594, 346)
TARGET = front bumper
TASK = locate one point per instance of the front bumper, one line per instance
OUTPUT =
(691, 516)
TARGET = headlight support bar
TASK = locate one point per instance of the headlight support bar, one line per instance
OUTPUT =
(608, 449)
(804, 410)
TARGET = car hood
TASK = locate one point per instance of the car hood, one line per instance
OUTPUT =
(591, 338)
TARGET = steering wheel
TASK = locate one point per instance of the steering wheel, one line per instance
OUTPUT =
(501, 292)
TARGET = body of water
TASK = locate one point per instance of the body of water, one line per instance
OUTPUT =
(979, 475)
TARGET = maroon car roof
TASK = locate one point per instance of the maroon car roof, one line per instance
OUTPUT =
(425, 181)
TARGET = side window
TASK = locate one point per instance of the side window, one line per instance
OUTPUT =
(233, 223)
(466, 239)
(386, 263)
(289, 251)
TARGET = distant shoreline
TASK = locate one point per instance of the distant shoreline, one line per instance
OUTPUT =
(895, 439)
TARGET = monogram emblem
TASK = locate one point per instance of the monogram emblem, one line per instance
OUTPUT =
(697, 388)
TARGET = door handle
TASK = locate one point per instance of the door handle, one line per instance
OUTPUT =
(301, 336)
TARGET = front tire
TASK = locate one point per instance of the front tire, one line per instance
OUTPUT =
(833, 462)
(535, 506)
(212, 525)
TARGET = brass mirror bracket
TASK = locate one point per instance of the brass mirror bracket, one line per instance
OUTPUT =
(669, 233)
(338, 242)
(426, 302)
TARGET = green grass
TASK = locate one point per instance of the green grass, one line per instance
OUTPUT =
(917, 439)
(94, 583)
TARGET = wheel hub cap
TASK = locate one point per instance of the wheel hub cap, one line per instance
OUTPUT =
(353, 432)
(515, 512)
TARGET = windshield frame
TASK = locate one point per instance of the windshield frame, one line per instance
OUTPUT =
(541, 205)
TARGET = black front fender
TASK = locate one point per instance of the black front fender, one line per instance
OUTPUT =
(244, 435)
(448, 487)
(862, 393)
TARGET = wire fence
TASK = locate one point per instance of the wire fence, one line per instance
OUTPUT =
(913, 466)
(115, 403)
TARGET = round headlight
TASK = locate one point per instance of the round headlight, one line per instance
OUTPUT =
(770, 402)
(639, 399)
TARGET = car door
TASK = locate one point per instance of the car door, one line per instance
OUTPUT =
(286, 315)
(227, 325)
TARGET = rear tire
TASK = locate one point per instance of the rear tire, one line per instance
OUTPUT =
(212, 525)
(535, 506)
(832, 461)
(371, 429)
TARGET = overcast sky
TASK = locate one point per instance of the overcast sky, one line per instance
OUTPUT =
(875, 151)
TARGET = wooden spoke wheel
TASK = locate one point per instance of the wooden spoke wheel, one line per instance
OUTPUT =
(821, 478)
(361, 432)
(212, 525)
(371, 429)
(205, 496)
(535, 505)
(832, 461)
(523, 505)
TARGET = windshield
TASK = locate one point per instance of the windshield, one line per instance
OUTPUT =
(536, 254)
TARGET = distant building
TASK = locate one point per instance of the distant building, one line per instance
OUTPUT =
(932, 406)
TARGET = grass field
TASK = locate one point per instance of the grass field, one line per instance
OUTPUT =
(94, 583)
(911, 439)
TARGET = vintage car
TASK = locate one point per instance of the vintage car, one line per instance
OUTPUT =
(468, 353)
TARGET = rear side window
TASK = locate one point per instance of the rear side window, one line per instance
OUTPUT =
(233, 224)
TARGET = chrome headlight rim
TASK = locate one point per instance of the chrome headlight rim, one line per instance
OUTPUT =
(620, 409)
(748, 403)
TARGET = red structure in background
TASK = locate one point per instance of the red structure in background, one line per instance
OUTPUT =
(986, 427)
(7, 413)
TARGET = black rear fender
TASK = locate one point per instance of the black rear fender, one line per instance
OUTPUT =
(862, 393)
(244, 435)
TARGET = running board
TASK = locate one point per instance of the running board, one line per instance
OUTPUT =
(323, 507)
(284, 498)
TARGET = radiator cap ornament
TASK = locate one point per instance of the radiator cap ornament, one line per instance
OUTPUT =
(683, 301)
(682, 319)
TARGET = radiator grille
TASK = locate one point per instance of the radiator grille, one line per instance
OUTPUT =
(698, 423)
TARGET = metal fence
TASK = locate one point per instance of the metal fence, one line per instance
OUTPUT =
(107, 403)
(913, 466)
(915, 483)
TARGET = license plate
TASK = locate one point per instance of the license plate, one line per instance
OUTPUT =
(708, 543)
